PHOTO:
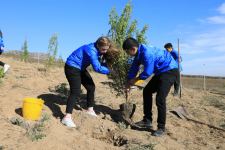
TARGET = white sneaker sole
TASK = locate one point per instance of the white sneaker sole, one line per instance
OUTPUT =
(68, 125)
(91, 114)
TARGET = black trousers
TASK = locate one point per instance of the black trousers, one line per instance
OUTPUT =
(177, 84)
(75, 78)
(160, 84)
(1, 63)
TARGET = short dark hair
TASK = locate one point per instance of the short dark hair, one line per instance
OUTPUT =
(129, 43)
(168, 45)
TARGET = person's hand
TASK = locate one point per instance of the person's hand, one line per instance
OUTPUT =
(130, 83)
(180, 59)
(133, 81)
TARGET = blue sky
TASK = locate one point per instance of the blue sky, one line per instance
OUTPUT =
(199, 24)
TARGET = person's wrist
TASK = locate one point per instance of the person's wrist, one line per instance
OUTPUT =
(138, 78)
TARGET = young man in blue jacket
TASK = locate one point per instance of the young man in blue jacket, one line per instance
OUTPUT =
(163, 66)
(174, 53)
(77, 74)
(5, 66)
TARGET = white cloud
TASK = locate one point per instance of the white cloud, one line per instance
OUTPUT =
(211, 40)
(216, 19)
(219, 19)
(190, 49)
(221, 9)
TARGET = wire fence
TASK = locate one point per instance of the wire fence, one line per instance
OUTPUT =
(214, 84)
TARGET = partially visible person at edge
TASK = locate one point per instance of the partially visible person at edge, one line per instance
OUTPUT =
(164, 67)
(77, 74)
(174, 53)
(4, 65)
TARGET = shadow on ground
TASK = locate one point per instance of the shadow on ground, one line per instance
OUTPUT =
(19, 111)
(53, 101)
(115, 114)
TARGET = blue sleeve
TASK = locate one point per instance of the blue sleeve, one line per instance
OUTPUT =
(133, 69)
(148, 67)
(97, 65)
(174, 53)
(1, 45)
(175, 56)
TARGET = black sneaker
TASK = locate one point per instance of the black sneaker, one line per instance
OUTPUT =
(145, 123)
(159, 132)
(175, 94)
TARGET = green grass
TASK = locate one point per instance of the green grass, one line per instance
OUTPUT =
(34, 131)
(1, 147)
(222, 123)
(141, 147)
(1, 73)
(122, 125)
(61, 89)
(214, 101)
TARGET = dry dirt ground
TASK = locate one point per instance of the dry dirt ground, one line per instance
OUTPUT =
(106, 132)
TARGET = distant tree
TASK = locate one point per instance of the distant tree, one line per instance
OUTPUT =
(25, 53)
(52, 50)
(122, 27)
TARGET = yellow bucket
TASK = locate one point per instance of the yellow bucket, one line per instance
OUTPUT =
(32, 108)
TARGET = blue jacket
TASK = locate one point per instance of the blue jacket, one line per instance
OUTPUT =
(154, 61)
(174, 53)
(1, 44)
(86, 55)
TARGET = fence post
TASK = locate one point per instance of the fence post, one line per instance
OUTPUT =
(179, 67)
(204, 83)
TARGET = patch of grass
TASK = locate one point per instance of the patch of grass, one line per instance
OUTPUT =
(222, 124)
(42, 70)
(141, 147)
(33, 131)
(21, 77)
(61, 89)
(216, 102)
(17, 121)
(1, 147)
(122, 125)
(45, 117)
(1, 73)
